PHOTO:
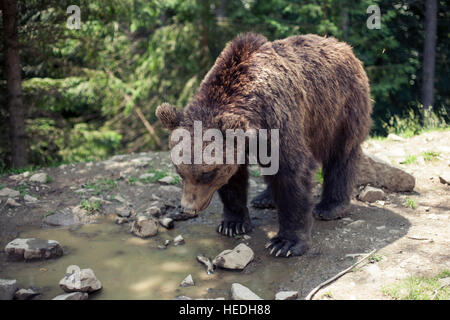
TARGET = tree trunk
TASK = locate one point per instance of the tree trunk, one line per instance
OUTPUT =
(429, 57)
(14, 84)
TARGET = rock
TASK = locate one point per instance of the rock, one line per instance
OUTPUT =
(167, 180)
(146, 176)
(378, 173)
(120, 220)
(7, 192)
(239, 292)
(187, 282)
(252, 183)
(371, 194)
(83, 280)
(29, 198)
(39, 177)
(64, 218)
(395, 137)
(119, 198)
(179, 240)
(170, 189)
(181, 215)
(25, 294)
(286, 295)
(12, 203)
(72, 296)
(207, 262)
(445, 178)
(145, 227)
(7, 289)
(357, 224)
(123, 211)
(154, 211)
(238, 258)
(183, 298)
(166, 223)
(32, 249)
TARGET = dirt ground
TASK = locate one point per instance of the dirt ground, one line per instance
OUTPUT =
(410, 231)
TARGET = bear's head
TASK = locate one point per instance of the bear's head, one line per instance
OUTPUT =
(201, 179)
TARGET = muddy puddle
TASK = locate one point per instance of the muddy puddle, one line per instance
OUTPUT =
(134, 268)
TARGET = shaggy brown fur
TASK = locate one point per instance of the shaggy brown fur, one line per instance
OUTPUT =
(315, 91)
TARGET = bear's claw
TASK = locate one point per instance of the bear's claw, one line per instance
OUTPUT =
(285, 248)
(230, 229)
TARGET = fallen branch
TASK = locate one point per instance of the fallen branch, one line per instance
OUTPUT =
(340, 274)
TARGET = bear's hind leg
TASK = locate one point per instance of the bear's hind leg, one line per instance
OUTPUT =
(236, 219)
(264, 200)
(339, 176)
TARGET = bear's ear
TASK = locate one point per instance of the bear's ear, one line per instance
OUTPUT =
(169, 116)
(233, 122)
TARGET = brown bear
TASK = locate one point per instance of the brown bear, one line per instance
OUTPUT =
(316, 92)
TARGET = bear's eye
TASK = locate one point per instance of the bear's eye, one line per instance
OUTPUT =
(207, 177)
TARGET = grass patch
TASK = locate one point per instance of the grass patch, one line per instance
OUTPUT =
(49, 213)
(319, 176)
(375, 258)
(22, 188)
(409, 159)
(430, 155)
(90, 206)
(410, 203)
(154, 177)
(255, 173)
(419, 288)
(102, 185)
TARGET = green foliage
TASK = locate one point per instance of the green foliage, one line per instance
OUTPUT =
(319, 176)
(102, 185)
(430, 155)
(82, 87)
(22, 188)
(410, 203)
(409, 159)
(420, 288)
(90, 206)
(375, 258)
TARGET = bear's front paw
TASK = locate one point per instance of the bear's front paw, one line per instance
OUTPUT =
(232, 228)
(282, 247)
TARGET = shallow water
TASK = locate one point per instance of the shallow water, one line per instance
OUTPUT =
(134, 268)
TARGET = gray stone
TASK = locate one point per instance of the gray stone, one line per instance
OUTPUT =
(29, 198)
(371, 194)
(32, 249)
(12, 203)
(238, 258)
(445, 178)
(239, 292)
(72, 296)
(187, 282)
(83, 280)
(146, 176)
(286, 295)
(25, 294)
(7, 289)
(378, 173)
(394, 137)
(123, 211)
(39, 177)
(178, 240)
(7, 192)
(166, 223)
(170, 189)
(145, 227)
(154, 211)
